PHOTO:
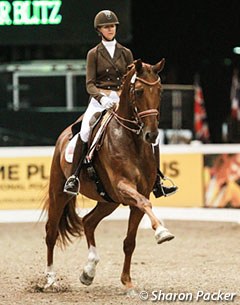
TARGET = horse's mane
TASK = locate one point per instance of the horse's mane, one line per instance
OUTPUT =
(127, 77)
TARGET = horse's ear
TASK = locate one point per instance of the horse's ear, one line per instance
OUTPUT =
(159, 66)
(129, 67)
(138, 65)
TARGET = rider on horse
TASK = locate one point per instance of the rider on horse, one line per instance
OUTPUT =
(106, 65)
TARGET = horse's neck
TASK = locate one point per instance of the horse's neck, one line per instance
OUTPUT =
(124, 108)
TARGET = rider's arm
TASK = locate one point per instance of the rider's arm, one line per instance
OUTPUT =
(91, 76)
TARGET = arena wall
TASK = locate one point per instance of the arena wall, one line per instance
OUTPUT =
(24, 175)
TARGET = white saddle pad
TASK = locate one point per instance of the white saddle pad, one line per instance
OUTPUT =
(70, 149)
(71, 145)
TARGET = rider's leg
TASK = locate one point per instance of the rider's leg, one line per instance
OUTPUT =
(159, 189)
(72, 185)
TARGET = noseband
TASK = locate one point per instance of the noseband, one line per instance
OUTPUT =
(139, 115)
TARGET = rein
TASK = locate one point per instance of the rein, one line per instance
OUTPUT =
(137, 122)
(119, 119)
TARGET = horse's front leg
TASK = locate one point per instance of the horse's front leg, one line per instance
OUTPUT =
(132, 197)
(129, 246)
(90, 222)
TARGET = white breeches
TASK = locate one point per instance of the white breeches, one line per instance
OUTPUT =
(93, 107)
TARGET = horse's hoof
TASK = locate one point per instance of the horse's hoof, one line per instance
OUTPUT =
(131, 293)
(51, 287)
(85, 279)
(51, 284)
(162, 234)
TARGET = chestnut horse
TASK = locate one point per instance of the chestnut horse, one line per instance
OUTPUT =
(126, 167)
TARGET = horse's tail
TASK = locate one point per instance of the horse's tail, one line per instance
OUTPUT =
(61, 210)
(70, 223)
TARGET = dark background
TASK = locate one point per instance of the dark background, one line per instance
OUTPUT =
(193, 36)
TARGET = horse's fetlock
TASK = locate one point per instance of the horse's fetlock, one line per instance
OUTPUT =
(125, 279)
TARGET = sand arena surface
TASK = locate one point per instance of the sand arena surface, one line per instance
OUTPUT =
(203, 256)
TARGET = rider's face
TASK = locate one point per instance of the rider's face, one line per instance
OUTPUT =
(108, 31)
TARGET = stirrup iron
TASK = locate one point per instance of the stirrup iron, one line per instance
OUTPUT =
(69, 189)
(165, 178)
(173, 187)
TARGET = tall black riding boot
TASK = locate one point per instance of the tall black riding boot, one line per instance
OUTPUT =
(72, 185)
(159, 189)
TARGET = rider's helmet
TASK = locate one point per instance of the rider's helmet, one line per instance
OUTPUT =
(105, 17)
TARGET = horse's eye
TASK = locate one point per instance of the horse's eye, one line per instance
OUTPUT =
(139, 92)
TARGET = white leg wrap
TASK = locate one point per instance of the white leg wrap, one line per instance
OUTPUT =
(162, 234)
(50, 277)
(93, 259)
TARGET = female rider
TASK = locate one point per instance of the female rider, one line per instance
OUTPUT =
(106, 65)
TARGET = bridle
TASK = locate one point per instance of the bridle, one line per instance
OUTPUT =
(137, 122)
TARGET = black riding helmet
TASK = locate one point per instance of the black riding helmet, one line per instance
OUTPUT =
(105, 17)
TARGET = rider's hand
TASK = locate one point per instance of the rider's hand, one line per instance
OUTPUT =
(107, 102)
(114, 96)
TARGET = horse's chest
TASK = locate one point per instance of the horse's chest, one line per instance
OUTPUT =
(117, 133)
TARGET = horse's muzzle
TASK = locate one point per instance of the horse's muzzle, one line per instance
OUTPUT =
(150, 136)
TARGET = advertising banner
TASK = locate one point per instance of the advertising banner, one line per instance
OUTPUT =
(205, 176)
(45, 22)
(23, 182)
(222, 180)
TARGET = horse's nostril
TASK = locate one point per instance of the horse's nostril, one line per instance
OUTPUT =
(151, 137)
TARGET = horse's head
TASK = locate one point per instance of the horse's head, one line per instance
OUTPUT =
(144, 94)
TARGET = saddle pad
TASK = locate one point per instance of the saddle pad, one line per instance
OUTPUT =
(70, 149)
(72, 143)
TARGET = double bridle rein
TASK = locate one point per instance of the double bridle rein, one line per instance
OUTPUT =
(139, 115)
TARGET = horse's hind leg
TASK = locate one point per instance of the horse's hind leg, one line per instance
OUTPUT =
(55, 211)
(129, 245)
(90, 222)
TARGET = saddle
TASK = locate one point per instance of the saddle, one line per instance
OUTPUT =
(99, 125)
(96, 138)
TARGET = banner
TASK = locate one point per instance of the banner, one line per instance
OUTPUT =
(200, 117)
(235, 96)
(206, 175)
(222, 180)
(48, 22)
(23, 182)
